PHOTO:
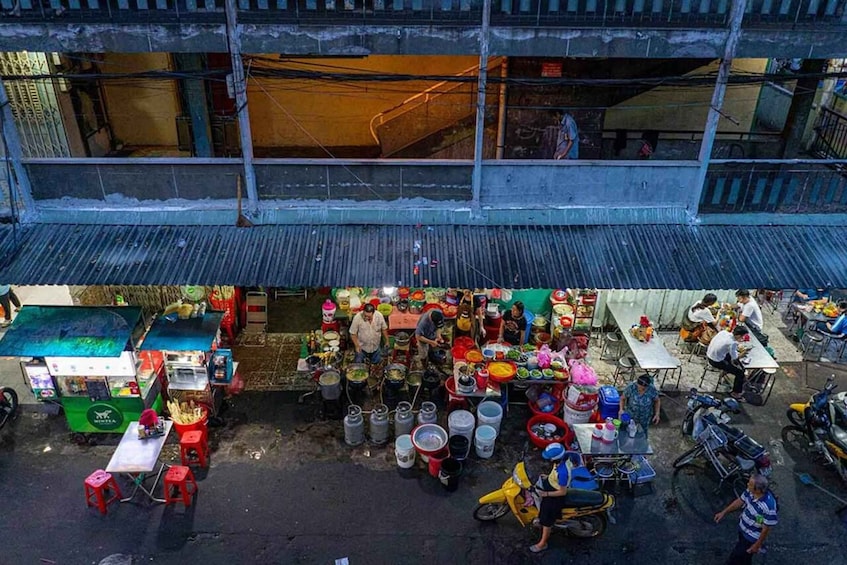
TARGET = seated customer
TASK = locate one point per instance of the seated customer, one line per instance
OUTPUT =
(839, 326)
(698, 316)
(751, 315)
(723, 354)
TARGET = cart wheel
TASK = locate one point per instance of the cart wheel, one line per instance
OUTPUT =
(79, 439)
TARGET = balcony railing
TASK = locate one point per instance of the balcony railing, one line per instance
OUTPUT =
(786, 187)
(611, 13)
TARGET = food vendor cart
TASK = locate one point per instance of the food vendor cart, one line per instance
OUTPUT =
(84, 359)
(195, 368)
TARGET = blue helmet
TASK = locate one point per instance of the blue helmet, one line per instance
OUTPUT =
(553, 452)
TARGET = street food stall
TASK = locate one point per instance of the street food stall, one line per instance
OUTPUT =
(196, 369)
(84, 359)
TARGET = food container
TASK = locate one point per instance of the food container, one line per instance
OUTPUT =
(429, 439)
(545, 429)
(402, 339)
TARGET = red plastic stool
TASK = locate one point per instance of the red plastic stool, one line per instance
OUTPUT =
(96, 485)
(194, 448)
(181, 478)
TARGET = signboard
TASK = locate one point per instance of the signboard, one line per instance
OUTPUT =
(104, 417)
(40, 381)
(123, 366)
(551, 69)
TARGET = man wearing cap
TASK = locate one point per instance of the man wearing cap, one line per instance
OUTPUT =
(553, 488)
(428, 333)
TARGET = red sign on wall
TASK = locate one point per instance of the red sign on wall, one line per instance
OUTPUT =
(551, 69)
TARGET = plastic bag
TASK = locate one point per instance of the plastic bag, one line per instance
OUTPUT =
(582, 374)
(237, 385)
(544, 357)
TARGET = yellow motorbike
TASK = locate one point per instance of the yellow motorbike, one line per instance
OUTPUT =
(586, 514)
(822, 423)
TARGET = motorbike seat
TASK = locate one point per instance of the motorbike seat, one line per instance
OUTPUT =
(732, 433)
(578, 497)
(840, 436)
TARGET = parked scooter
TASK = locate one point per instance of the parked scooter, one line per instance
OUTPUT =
(823, 420)
(732, 453)
(8, 405)
(699, 405)
(586, 513)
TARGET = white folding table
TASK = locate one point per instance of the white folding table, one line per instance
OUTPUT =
(138, 459)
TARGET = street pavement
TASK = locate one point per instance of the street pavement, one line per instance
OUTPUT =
(284, 488)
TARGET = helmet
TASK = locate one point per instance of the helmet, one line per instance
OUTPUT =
(553, 452)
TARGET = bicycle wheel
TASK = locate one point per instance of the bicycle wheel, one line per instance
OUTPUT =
(688, 456)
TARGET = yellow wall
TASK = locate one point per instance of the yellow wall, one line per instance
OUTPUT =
(685, 108)
(336, 114)
(141, 112)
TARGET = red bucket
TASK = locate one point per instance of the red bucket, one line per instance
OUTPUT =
(435, 461)
(199, 426)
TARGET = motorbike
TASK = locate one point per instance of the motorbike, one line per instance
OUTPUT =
(8, 405)
(699, 405)
(586, 514)
(823, 420)
(732, 453)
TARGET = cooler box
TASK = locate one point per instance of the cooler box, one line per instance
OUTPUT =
(610, 401)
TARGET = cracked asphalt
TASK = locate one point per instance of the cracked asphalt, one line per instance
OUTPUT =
(283, 488)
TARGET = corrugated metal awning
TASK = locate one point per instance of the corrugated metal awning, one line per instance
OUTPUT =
(632, 256)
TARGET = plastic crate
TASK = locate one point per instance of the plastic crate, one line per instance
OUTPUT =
(644, 472)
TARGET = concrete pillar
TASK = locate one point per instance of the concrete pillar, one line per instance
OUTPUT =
(194, 90)
(479, 132)
(800, 109)
(239, 81)
(736, 14)
(12, 150)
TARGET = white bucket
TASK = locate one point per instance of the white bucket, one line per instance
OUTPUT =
(404, 451)
(484, 442)
(491, 414)
(573, 416)
(461, 422)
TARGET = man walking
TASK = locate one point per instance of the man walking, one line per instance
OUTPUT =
(7, 296)
(758, 516)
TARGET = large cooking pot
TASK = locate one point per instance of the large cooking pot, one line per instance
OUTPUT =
(395, 375)
(402, 339)
(330, 382)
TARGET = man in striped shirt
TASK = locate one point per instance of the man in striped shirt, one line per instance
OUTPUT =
(758, 516)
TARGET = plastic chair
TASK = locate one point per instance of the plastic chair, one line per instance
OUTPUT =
(194, 449)
(182, 479)
(97, 484)
(625, 365)
(613, 338)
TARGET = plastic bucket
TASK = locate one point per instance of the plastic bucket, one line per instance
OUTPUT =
(484, 442)
(404, 451)
(459, 447)
(574, 416)
(198, 426)
(461, 422)
(491, 414)
(449, 474)
(435, 461)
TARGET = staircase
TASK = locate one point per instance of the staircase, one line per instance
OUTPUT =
(428, 112)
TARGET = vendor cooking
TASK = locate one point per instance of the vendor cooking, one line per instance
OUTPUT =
(366, 331)
(513, 326)
(428, 333)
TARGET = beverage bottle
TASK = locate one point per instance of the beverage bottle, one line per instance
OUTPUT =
(632, 428)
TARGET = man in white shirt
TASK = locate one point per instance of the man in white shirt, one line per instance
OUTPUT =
(366, 331)
(723, 354)
(751, 315)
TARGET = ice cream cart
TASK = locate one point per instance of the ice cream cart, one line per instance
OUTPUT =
(196, 369)
(84, 358)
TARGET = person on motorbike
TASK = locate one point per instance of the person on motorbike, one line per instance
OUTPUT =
(553, 489)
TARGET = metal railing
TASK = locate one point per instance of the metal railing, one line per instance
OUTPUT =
(611, 13)
(830, 135)
(788, 187)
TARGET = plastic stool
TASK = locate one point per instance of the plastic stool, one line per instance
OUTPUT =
(714, 370)
(613, 338)
(181, 478)
(194, 449)
(625, 365)
(96, 485)
(813, 339)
